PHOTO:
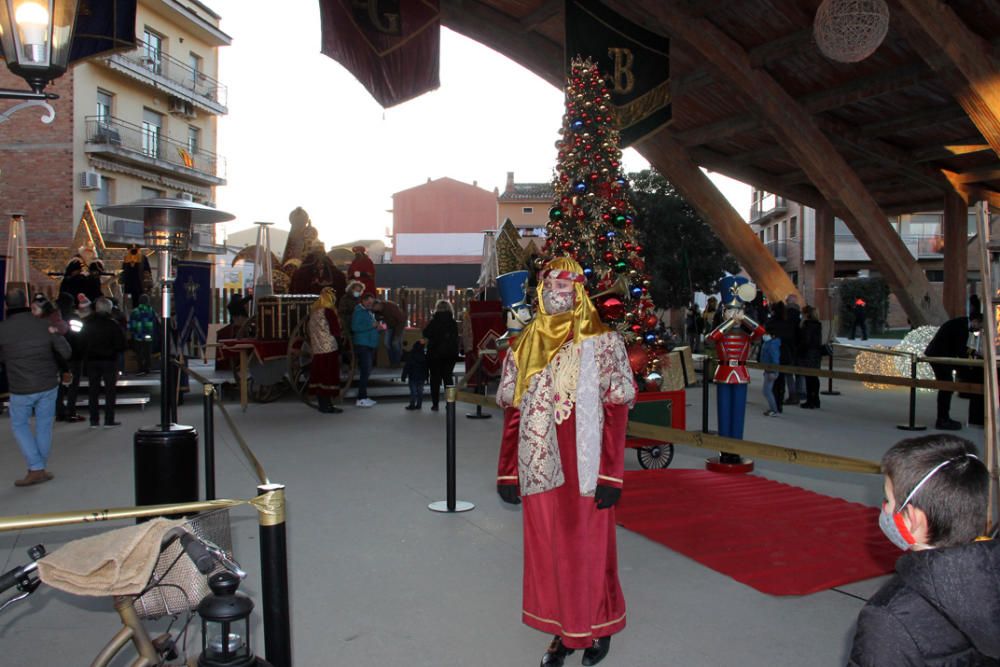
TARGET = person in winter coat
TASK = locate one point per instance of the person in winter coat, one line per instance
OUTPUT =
(364, 334)
(770, 353)
(104, 340)
(940, 606)
(442, 348)
(415, 373)
(809, 354)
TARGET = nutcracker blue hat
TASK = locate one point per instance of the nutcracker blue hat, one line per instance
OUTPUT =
(735, 291)
(513, 288)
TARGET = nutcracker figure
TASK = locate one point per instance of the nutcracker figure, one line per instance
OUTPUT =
(733, 339)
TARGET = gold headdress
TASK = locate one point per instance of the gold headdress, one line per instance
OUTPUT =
(542, 338)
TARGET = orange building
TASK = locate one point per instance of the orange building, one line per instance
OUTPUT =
(441, 222)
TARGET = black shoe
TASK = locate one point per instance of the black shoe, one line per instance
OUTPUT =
(948, 425)
(598, 651)
(556, 654)
(73, 419)
(411, 407)
(434, 407)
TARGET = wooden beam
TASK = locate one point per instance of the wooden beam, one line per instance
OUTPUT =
(506, 35)
(956, 253)
(796, 130)
(979, 92)
(720, 163)
(950, 150)
(915, 121)
(823, 268)
(989, 173)
(545, 11)
(672, 160)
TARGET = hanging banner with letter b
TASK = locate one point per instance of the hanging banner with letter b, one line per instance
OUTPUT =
(636, 61)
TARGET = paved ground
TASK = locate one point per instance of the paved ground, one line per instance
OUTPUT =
(377, 579)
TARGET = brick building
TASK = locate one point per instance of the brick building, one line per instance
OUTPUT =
(128, 125)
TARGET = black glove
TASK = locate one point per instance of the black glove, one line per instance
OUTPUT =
(509, 493)
(606, 496)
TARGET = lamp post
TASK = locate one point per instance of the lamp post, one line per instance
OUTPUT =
(166, 455)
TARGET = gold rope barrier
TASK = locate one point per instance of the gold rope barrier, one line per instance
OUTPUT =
(759, 450)
(71, 517)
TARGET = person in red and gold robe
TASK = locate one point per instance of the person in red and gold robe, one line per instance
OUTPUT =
(566, 389)
(324, 370)
(362, 268)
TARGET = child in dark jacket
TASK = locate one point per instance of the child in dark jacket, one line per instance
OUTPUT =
(415, 370)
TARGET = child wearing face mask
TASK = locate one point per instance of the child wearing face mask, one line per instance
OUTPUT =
(940, 607)
(770, 353)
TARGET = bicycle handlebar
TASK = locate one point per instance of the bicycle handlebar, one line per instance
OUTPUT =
(15, 577)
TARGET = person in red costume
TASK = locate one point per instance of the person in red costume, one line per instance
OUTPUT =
(566, 389)
(363, 269)
(733, 339)
(324, 330)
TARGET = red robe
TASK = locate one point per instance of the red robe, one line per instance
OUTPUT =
(363, 270)
(324, 369)
(571, 586)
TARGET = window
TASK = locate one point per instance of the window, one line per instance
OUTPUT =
(794, 275)
(104, 100)
(793, 227)
(152, 57)
(935, 275)
(103, 196)
(152, 126)
(194, 139)
(527, 210)
(151, 193)
(924, 224)
(194, 62)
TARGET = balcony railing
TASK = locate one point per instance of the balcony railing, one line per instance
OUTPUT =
(920, 246)
(766, 206)
(159, 64)
(133, 140)
(779, 249)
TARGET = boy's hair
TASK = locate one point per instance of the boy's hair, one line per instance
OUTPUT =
(954, 498)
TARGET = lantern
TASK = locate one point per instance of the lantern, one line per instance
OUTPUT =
(225, 624)
(36, 37)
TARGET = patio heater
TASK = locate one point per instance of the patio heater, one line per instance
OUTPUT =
(166, 455)
(262, 280)
(17, 273)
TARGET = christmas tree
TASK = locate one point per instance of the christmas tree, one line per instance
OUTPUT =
(591, 219)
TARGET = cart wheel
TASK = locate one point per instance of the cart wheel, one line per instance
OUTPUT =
(299, 360)
(656, 457)
(268, 393)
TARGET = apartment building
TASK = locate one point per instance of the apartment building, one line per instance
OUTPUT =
(788, 231)
(129, 125)
(527, 206)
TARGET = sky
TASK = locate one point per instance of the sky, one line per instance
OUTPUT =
(301, 131)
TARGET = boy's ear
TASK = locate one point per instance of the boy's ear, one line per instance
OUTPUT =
(919, 526)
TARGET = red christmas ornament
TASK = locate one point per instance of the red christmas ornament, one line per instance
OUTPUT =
(611, 309)
(638, 357)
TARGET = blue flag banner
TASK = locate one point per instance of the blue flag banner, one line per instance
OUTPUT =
(193, 297)
(636, 62)
(3, 286)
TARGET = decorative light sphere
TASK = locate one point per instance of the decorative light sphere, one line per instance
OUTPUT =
(849, 31)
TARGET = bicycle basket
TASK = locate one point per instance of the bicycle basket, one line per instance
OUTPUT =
(176, 585)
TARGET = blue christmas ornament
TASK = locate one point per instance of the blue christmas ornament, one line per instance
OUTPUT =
(611, 234)
(576, 125)
(587, 271)
(580, 186)
(650, 337)
(636, 292)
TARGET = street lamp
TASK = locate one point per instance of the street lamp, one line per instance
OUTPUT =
(36, 36)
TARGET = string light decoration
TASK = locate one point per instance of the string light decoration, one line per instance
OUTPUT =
(893, 365)
(591, 218)
(849, 31)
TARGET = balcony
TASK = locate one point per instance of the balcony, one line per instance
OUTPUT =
(767, 207)
(122, 232)
(122, 142)
(175, 77)
(778, 249)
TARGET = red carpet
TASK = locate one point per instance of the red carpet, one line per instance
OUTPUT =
(777, 538)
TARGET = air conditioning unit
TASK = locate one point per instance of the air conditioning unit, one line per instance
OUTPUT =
(186, 196)
(90, 180)
(176, 105)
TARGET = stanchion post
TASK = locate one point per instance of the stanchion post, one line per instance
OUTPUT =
(209, 408)
(479, 414)
(913, 425)
(450, 504)
(706, 381)
(829, 381)
(274, 576)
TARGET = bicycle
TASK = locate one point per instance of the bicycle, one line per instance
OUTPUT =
(187, 565)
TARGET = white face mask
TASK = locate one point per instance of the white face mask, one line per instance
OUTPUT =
(357, 295)
(557, 302)
(767, 337)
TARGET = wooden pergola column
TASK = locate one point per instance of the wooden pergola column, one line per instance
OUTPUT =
(956, 253)
(796, 130)
(823, 269)
(671, 159)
